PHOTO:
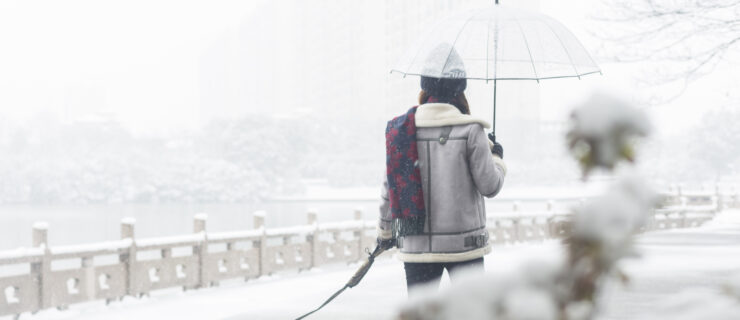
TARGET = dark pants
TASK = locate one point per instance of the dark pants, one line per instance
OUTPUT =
(431, 273)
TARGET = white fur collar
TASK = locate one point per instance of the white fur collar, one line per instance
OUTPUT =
(444, 114)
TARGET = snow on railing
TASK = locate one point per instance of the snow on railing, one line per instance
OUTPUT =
(135, 267)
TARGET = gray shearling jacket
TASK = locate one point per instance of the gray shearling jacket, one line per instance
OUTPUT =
(457, 171)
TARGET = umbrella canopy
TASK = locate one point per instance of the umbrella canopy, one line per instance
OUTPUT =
(498, 43)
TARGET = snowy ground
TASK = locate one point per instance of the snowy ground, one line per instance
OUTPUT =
(673, 261)
(678, 262)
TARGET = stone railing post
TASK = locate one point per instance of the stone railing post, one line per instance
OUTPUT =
(201, 250)
(91, 288)
(358, 233)
(550, 232)
(128, 259)
(42, 269)
(312, 217)
(720, 200)
(650, 221)
(516, 222)
(259, 223)
(313, 238)
(336, 236)
(551, 226)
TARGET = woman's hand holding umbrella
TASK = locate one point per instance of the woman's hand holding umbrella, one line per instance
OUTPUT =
(497, 148)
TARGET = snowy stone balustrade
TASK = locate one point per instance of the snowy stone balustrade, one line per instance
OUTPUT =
(43, 277)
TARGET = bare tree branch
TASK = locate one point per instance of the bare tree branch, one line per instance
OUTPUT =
(686, 37)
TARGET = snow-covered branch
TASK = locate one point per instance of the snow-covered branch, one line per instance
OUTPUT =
(682, 40)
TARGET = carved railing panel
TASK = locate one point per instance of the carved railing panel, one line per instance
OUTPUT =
(110, 281)
(232, 264)
(163, 273)
(19, 294)
(287, 256)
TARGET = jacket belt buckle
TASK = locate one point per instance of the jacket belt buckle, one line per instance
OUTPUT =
(480, 241)
(476, 241)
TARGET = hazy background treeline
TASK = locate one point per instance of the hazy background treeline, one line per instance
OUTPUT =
(96, 160)
(247, 159)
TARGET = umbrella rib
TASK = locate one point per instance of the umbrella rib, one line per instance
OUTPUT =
(567, 52)
(584, 50)
(526, 43)
(441, 72)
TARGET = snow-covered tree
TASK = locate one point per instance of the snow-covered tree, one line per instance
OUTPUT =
(714, 141)
(681, 40)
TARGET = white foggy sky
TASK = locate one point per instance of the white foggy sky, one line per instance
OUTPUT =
(135, 59)
(138, 60)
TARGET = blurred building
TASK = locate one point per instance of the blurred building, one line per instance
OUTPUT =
(238, 73)
(342, 42)
(334, 57)
(297, 55)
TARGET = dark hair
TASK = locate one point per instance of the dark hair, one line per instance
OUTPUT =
(459, 101)
(443, 88)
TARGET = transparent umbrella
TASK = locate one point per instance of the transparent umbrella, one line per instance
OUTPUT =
(497, 43)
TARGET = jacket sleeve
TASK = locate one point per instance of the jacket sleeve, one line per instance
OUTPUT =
(385, 222)
(487, 169)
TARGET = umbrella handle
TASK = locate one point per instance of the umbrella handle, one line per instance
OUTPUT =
(492, 137)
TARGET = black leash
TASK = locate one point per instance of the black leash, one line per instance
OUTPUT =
(325, 303)
(355, 280)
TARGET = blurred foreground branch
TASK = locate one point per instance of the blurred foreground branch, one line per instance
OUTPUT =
(601, 235)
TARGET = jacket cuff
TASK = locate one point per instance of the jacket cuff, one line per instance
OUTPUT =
(384, 234)
(500, 163)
